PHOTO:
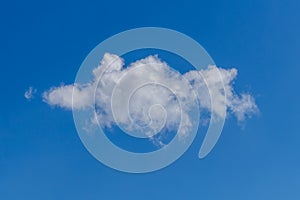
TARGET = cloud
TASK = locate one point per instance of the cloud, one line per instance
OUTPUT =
(62, 96)
(241, 106)
(29, 93)
(164, 96)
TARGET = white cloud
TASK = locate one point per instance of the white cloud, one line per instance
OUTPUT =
(62, 96)
(29, 93)
(223, 92)
(149, 103)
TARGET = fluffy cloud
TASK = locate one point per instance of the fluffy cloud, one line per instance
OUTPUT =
(148, 94)
(220, 82)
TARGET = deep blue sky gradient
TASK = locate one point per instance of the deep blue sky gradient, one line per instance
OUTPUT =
(43, 45)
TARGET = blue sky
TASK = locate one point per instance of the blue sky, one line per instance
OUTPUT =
(44, 43)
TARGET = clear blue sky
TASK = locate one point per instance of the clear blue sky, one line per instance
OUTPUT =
(44, 43)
